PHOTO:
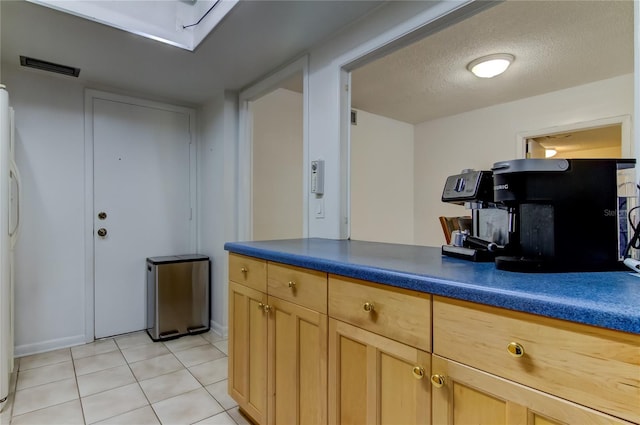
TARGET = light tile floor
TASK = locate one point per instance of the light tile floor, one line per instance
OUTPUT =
(127, 380)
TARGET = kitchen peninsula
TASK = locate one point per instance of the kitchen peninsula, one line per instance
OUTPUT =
(338, 331)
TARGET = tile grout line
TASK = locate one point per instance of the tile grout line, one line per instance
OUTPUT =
(139, 386)
(212, 344)
(75, 376)
(179, 361)
(119, 349)
(15, 389)
(202, 386)
(40, 385)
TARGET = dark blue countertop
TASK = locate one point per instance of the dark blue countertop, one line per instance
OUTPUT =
(605, 299)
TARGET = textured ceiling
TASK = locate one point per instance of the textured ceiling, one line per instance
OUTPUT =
(557, 44)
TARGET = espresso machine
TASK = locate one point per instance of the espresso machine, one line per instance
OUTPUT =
(565, 214)
(488, 235)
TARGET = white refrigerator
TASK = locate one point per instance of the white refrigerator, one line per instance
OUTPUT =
(9, 223)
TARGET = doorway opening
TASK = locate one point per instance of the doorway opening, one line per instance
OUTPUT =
(272, 162)
(461, 122)
(277, 140)
(603, 142)
(604, 138)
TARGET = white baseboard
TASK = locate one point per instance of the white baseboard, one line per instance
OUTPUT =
(219, 329)
(55, 344)
(52, 344)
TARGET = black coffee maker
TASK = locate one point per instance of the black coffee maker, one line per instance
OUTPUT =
(565, 214)
(487, 236)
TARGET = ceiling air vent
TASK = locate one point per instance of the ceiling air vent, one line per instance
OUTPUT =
(48, 66)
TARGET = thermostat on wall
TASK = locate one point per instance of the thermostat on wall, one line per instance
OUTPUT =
(317, 177)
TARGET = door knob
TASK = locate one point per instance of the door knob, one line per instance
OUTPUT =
(102, 232)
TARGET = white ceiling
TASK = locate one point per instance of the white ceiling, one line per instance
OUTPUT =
(254, 39)
(183, 23)
(557, 44)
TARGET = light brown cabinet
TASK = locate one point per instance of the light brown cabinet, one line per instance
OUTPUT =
(248, 271)
(379, 360)
(376, 380)
(396, 313)
(307, 288)
(310, 348)
(248, 314)
(248, 350)
(464, 395)
(297, 359)
(277, 345)
(561, 365)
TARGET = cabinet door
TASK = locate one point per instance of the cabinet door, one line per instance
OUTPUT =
(248, 350)
(375, 380)
(562, 358)
(464, 395)
(297, 373)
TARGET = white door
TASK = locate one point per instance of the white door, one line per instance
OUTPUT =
(142, 203)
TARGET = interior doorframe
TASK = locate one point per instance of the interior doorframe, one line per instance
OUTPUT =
(370, 52)
(626, 140)
(90, 96)
(245, 144)
(345, 152)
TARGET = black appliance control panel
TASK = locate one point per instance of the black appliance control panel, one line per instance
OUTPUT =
(469, 186)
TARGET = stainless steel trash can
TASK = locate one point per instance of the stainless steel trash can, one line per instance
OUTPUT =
(177, 296)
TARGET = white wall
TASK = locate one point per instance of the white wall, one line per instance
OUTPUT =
(277, 165)
(217, 194)
(327, 95)
(50, 279)
(1, 44)
(50, 305)
(382, 189)
(479, 138)
(613, 152)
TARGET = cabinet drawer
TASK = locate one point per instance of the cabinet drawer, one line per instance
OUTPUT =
(248, 271)
(595, 367)
(396, 313)
(304, 287)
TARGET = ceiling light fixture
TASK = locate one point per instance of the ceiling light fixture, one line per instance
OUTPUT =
(490, 66)
(550, 153)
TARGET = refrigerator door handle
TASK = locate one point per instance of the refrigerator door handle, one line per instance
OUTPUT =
(13, 172)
